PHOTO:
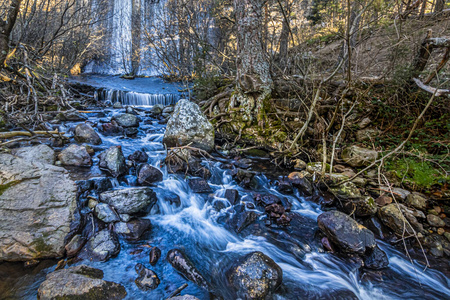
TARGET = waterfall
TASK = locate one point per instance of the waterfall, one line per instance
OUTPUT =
(125, 32)
(136, 99)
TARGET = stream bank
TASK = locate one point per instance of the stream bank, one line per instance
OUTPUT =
(215, 213)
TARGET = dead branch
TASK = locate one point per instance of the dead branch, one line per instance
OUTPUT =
(436, 92)
(11, 134)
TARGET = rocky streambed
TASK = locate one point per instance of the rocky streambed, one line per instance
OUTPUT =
(109, 213)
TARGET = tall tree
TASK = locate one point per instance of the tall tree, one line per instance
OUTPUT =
(253, 82)
(6, 26)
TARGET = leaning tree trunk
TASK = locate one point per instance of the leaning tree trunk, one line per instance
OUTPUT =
(439, 6)
(253, 81)
(6, 26)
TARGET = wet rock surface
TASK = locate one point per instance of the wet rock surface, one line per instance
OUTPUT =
(349, 235)
(113, 162)
(80, 282)
(134, 229)
(84, 133)
(101, 247)
(22, 204)
(184, 265)
(188, 125)
(255, 276)
(147, 279)
(131, 200)
(127, 120)
(40, 153)
(148, 175)
(76, 156)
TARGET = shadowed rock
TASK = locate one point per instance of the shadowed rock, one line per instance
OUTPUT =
(80, 282)
(184, 265)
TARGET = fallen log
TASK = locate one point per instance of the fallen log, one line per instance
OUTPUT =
(11, 134)
(431, 90)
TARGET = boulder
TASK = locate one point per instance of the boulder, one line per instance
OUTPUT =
(147, 280)
(40, 153)
(154, 255)
(134, 229)
(101, 247)
(368, 134)
(75, 245)
(255, 276)
(105, 213)
(343, 231)
(84, 133)
(345, 191)
(111, 129)
(139, 156)
(75, 155)
(80, 282)
(199, 185)
(157, 109)
(117, 105)
(112, 161)
(188, 125)
(417, 200)
(377, 259)
(148, 175)
(130, 201)
(357, 156)
(126, 120)
(435, 221)
(37, 204)
(361, 207)
(232, 196)
(397, 217)
(184, 265)
(242, 218)
(301, 182)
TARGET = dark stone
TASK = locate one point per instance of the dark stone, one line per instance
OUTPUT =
(170, 197)
(111, 129)
(284, 187)
(147, 175)
(245, 178)
(134, 229)
(113, 162)
(127, 120)
(199, 185)
(242, 218)
(184, 265)
(265, 200)
(376, 260)
(84, 133)
(302, 184)
(101, 246)
(155, 254)
(232, 196)
(139, 156)
(255, 276)
(147, 280)
(130, 131)
(345, 232)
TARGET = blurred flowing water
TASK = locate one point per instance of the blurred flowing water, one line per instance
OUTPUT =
(198, 228)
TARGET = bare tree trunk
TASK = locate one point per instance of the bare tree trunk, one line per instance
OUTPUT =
(135, 36)
(6, 26)
(253, 81)
(439, 6)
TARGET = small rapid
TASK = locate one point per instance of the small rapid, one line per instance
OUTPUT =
(198, 226)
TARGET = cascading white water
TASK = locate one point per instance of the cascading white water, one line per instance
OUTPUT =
(136, 99)
(121, 37)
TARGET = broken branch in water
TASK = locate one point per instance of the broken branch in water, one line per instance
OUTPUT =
(7, 135)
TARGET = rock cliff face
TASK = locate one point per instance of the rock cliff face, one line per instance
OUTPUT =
(37, 202)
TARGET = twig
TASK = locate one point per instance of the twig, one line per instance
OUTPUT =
(177, 291)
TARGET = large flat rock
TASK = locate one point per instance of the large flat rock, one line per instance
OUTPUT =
(37, 202)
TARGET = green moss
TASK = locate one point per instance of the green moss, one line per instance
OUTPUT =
(417, 174)
(4, 187)
(41, 246)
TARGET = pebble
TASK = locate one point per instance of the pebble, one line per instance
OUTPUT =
(441, 231)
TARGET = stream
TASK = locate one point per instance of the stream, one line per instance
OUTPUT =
(198, 226)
